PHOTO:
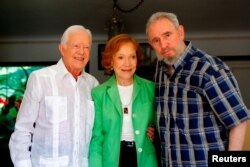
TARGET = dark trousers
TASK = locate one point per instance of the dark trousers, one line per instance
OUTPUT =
(128, 157)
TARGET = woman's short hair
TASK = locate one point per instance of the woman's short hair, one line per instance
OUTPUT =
(113, 46)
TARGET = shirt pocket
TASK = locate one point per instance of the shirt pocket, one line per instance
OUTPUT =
(56, 109)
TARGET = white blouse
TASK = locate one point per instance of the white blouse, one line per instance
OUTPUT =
(126, 95)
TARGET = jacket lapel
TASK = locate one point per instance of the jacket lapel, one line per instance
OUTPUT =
(113, 93)
(136, 90)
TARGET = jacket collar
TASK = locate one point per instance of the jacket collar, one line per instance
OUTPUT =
(113, 92)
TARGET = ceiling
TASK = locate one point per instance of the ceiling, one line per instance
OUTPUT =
(48, 18)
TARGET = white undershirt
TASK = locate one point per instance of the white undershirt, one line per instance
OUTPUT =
(126, 93)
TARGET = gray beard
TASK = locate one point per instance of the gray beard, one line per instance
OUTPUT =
(169, 61)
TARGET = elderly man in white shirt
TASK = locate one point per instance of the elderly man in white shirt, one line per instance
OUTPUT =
(54, 124)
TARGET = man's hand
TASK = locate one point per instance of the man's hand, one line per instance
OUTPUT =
(150, 132)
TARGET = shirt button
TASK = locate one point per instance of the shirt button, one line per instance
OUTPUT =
(134, 115)
(139, 150)
(137, 132)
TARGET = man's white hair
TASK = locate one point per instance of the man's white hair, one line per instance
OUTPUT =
(74, 28)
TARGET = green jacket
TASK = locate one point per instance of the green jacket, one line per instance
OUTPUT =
(104, 148)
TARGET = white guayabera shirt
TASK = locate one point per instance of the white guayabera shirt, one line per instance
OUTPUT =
(54, 123)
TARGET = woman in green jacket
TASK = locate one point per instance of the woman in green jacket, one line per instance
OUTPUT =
(123, 110)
